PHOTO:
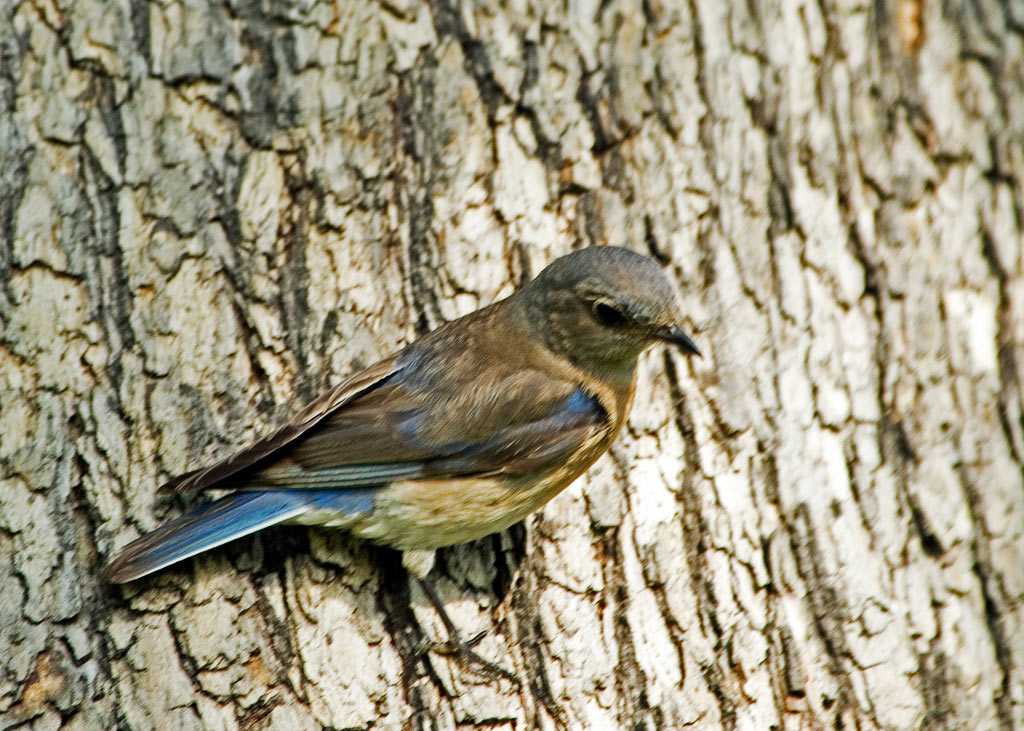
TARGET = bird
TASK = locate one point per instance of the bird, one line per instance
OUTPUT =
(460, 434)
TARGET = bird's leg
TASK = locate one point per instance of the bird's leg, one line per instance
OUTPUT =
(456, 646)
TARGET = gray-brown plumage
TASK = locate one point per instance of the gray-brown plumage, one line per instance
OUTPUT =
(461, 434)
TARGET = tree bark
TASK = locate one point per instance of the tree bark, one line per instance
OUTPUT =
(211, 212)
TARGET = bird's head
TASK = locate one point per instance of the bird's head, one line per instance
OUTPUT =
(601, 306)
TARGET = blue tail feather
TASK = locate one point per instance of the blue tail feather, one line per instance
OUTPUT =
(226, 519)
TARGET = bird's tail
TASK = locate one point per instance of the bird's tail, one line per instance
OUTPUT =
(223, 520)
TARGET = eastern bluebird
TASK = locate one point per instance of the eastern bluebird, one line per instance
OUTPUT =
(459, 435)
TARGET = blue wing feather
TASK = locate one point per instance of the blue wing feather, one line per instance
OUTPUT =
(390, 435)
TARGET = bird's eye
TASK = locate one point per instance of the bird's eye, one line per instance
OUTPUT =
(609, 315)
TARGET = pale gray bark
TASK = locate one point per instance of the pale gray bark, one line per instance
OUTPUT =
(208, 212)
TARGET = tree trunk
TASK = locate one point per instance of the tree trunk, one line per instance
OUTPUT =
(211, 212)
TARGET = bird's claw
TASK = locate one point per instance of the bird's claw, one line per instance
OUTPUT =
(454, 645)
(462, 651)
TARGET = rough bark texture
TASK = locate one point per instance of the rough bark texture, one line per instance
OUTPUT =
(209, 212)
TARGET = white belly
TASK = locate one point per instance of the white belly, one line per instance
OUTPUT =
(425, 515)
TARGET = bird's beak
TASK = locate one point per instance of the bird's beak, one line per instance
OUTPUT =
(675, 335)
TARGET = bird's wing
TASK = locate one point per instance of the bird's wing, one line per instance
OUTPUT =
(405, 425)
(305, 420)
